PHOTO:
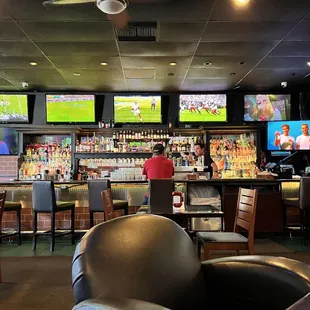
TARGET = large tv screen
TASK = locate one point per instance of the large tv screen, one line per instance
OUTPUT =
(8, 141)
(202, 108)
(137, 109)
(289, 135)
(70, 108)
(13, 108)
(261, 108)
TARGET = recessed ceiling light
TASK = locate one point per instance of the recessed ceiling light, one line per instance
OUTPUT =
(242, 63)
(242, 1)
(76, 74)
(232, 73)
(104, 64)
(33, 63)
(173, 63)
(171, 74)
(308, 63)
(207, 63)
(236, 87)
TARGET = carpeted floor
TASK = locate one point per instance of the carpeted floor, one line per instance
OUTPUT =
(36, 283)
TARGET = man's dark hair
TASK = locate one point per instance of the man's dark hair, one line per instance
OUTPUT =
(202, 146)
(158, 149)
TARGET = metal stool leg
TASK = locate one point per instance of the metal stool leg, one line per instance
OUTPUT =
(72, 225)
(18, 226)
(35, 229)
(53, 224)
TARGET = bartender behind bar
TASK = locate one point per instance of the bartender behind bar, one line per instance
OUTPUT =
(209, 164)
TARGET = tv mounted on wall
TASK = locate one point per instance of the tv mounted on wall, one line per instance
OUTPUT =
(13, 108)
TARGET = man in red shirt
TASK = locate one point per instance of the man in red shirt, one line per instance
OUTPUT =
(157, 167)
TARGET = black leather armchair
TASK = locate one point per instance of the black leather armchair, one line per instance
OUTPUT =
(122, 263)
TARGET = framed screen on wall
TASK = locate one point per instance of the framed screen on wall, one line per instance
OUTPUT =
(137, 109)
(8, 141)
(70, 108)
(13, 108)
(262, 107)
(202, 108)
(288, 135)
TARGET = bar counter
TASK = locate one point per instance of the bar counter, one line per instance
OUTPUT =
(269, 208)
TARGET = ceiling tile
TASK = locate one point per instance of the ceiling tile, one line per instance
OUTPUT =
(5, 83)
(214, 73)
(19, 62)
(33, 76)
(140, 73)
(180, 32)
(96, 85)
(68, 31)
(156, 49)
(224, 61)
(246, 31)
(261, 10)
(22, 49)
(291, 48)
(178, 73)
(102, 75)
(234, 48)
(206, 85)
(34, 10)
(9, 31)
(155, 62)
(301, 32)
(86, 62)
(79, 49)
(284, 62)
(153, 85)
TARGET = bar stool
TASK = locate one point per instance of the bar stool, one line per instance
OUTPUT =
(95, 187)
(44, 201)
(13, 206)
(302, 203)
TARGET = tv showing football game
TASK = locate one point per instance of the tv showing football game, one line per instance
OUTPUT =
(202, 108)
(8, 141)
(137, 109)
(13, 108)
(261, 108)
(70, 108)
(289, 135)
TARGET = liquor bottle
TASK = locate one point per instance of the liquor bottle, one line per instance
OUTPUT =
(102, 123)
(170, 122)
(114, 136)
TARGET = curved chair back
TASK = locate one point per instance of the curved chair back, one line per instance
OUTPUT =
(43, 196)
(304, 193)
(95, 187)
(144, 257)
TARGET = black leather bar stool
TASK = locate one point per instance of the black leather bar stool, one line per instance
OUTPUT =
(13, 206)
(302, 203)
(95, 187)
(44, 201)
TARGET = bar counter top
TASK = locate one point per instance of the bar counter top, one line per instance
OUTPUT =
(212, 181)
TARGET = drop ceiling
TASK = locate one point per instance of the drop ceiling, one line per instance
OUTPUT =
(255, 47)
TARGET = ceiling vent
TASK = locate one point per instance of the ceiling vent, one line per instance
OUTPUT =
(138, 31)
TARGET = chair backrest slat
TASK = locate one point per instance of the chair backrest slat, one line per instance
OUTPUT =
(108, 204)
(43, 196)
(246, 210)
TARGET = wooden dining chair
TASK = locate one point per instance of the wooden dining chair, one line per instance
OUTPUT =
(2, 201)
(108, 204)
(245, 219)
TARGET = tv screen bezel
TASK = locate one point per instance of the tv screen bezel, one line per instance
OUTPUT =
(67, 122)
(202, 122)
(288, 113)
(141, 95)
(28, 116)
(17, 141)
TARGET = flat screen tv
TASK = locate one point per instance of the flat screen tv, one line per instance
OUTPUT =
(289, 135)
(8, 141)
(202, 108)
(13, 108)
(262, 107)
(137, 109)
(70, 108)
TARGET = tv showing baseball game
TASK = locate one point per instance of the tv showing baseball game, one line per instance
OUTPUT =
(70, 108)
(202, 108)
(137, 109)
(288, 135)
(8, 141)
(13, 108)
(261, 108)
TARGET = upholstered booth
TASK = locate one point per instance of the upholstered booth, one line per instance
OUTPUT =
(148, 258)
